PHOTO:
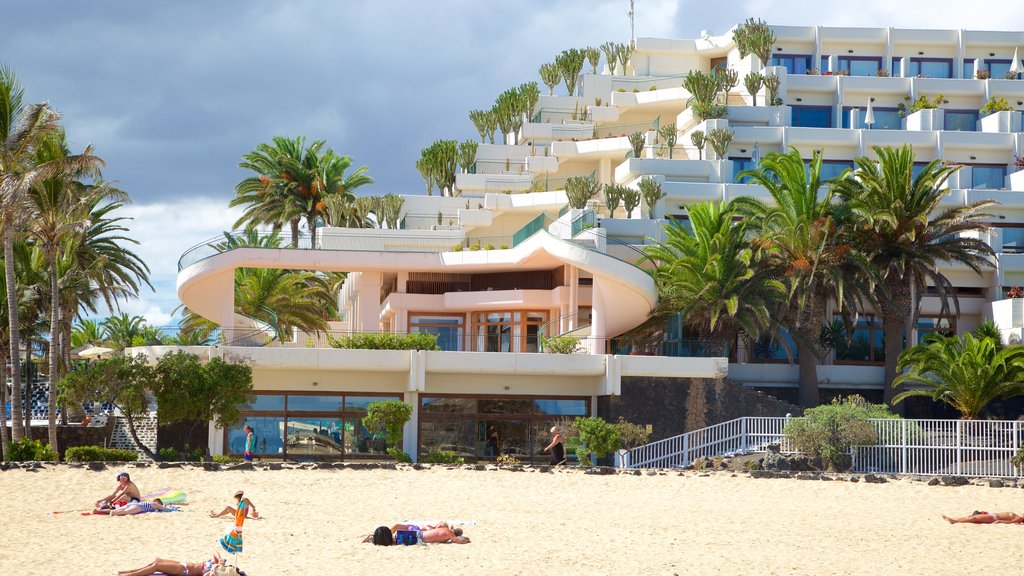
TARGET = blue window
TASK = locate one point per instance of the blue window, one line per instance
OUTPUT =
(997, 68)
(824, 63)
(918, 167)
(885, 118)
(895, 67)
(860, 65)
(448, 330)
(739, 165)
(968, 69)
(768, 349)
(812, 116)
(962, 120)
(831, 169)
(1013, 240)
(314, 403)
(988, 177)
(866, 343)
(931, 67)
(794, 63)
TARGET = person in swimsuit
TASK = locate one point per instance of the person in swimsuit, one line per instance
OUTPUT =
(213, 567)
(557, 447)
(157, 505)
(125, 493)
(987, 518)
(429, 534)
(233, 510)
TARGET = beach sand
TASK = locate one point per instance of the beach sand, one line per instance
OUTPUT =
(526, 523)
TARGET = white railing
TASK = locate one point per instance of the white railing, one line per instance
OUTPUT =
(915, 447)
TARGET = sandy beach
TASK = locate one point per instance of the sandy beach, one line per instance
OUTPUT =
(525, 523)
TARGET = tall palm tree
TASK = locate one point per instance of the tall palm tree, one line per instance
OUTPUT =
(906, 245)
(711, 275)
(22, 129)
(86, 331)
(967, 373)
(59, 214)
(806, 246)
(122, 330)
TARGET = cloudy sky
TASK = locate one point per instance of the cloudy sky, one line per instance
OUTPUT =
(171, 94)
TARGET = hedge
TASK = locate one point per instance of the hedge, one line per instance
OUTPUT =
(98, 454)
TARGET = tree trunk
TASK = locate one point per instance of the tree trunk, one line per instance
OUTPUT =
(3, 412)
(311, 222)
(55, 315)
(17, 426)
(893, 330)
(295, 232)
(808, 361)
(135, 438)
(28, 387)
(812, 317)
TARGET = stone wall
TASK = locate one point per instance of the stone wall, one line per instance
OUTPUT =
(145, 428)
(673, 406)
(71, 435)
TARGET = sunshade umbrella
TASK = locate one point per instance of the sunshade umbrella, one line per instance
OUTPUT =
(869, 116)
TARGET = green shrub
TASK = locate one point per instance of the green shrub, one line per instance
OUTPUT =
(225, 459)
(389, 417)
(583, 456)
(168, 454)
(399, 455)
(828, 431)
(98, 454)
(561, 345)
(474, 247)
(457, 248)
(488, 246)
(441, 457)
(621, 90)
(600, 437)
(384, 341)
(631, 435)
(636, 90)
(26, 450)
(995, 104)
(503, 247)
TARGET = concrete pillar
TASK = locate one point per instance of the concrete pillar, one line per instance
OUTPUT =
(598, 332)
(369, 301)
(574, 288)
(604, 171)
(410, 433)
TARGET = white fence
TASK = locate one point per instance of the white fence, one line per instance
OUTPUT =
(918, 447)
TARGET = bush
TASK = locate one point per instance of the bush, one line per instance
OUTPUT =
(503, 247)
(488, 246)
(457, 248)
(27, 450)
(168, 454)
(225, 459)
(399, 455)
(561, 345)
(507, 460)
(995, 104)
(388, 416)
(474, 247)
(441, 457)
(631, 435)
(97, 454)
(828, 431)
(384, 341)
(600, 437)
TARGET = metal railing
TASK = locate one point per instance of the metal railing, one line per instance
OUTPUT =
(625, 129)
(905, 446)
(559, 115)
(646, 82)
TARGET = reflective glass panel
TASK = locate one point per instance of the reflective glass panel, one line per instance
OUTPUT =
(269, 432)
(314, 403)
(988, 177)
(794, 63)
(860, 66)
(449, 405)
(359, 440)
(311, 437)
(1013, 240)
(265, 402)
(962, 120)
(457, 436)
(812, 116)
(998, 68)
(359, 403)
(561, 407)
(505, 406)
(931, 68)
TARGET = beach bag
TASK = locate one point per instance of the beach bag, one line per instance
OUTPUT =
(406, 537)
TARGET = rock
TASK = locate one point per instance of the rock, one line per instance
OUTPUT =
(954, 481)
(825, 478)
(480, 467)
(325, 466)
(275, 466)
(543, 468)
(760, 474)
(807, 476)
(995, 483)
(97, 466)
(241, 466)
(775, 461)
(854, 479)
(211, 466)
(934, 482)
(874, 479)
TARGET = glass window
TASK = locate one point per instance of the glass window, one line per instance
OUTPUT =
(931, 67)
(359, 403)
(269, 433)
(505, 406)
(812, 116)
(1013, 240)
(865, 344)
(927, 324)
(261, 402)
(968, 71)
(885, 118)
(998, 68)
(860, 65)
(831, 169)
(895, 71)
(561, 407)
(314, 403)
(962, 120)
(359, 440)
(311, 437)
(449, 405)
(988, 177)
(794, 63)
(448, 330)
(458, 435)
(769, 349)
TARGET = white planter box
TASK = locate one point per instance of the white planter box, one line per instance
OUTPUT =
(1015, 180)
(1001, 122)
(926, 120)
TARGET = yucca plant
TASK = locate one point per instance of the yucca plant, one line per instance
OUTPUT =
(570, 62)
(651, 192)
(753, 82)
(594, 57)
(669, 135)
(636, 140)
(550, 75)
(611, 55)
(720, 139)
(580, 190)
(698, 139)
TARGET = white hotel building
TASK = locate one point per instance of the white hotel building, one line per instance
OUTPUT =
(543, 269)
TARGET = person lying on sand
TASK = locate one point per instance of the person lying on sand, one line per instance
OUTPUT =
(157, 505)
(240, 499)
(987, 518)
(440, 533)
(125, 493)
(213, 567)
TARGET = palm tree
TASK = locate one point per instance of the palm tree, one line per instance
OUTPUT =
(966, 373)
(59, 213)
(22, 129)
(88, 331)
(711, 275)
(122, 330)
(905, 243)
(805, 245)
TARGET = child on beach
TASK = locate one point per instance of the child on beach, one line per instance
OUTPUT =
(240, 500)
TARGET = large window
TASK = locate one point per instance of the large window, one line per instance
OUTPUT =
(927, 67)
(944, 326)
(812, 116)
(885, 118)
(864, 345)
(773, 349)
(1013, 238)
(794, 63)
(860, 65)
(509, 331)
(962, 120)
(996, 67)
(307, 426)
(448, 329)
(478, 427)
(987, 176)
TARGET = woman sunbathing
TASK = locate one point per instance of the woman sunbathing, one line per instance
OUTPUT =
(157, 505)
(987, 518)
(213, 567)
